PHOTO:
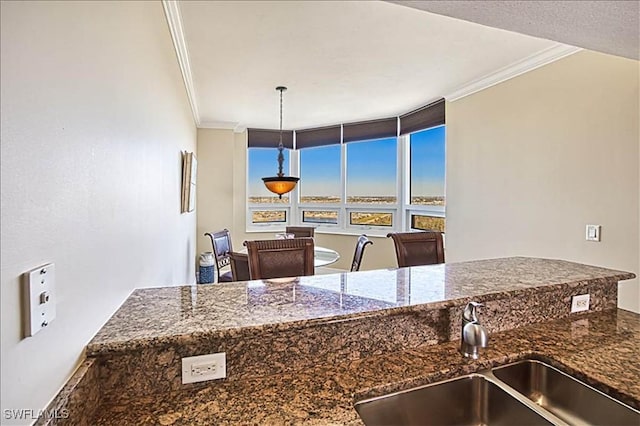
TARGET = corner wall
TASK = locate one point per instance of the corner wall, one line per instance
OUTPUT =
(533, 160)
(215, 186)
(94, 119)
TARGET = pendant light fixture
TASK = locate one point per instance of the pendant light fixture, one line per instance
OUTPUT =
(280, 184)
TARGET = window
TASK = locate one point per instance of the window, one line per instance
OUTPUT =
(427, 161)
(427, 223)
(268, 216)
(320, 175)
(354, 177)
(263, 162)
(320, 216)
(372, 171)
(370, 218)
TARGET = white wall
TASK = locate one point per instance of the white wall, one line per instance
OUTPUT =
(533, 160)
(94, 116)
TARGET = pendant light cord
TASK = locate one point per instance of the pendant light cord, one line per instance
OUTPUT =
(280, 145)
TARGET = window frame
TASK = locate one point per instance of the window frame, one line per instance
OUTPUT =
(401, 211)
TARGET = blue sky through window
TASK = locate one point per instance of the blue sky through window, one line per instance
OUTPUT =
(428, 162)
(372, 168)
(320, 171)
(263, 162)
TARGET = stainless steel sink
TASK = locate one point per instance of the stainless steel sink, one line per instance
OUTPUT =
(569, 399)
(469, 400)
(528, 392)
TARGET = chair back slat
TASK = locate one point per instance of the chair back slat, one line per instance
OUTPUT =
(418, 248)
(280, 258)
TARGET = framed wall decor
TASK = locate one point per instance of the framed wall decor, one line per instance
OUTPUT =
(189, 172)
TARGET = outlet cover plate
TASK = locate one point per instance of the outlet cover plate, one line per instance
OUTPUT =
(580, 303)
(204, 367)
(39, 298)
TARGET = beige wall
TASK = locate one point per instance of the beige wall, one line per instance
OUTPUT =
(94, 116)
(533, 160)
(215, 188)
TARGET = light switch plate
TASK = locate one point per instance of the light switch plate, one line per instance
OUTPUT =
(593, 233)
(39, 298)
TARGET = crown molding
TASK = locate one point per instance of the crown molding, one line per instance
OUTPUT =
(174, 20)
(222, 125)
(515, 69)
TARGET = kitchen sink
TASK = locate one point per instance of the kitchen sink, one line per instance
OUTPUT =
(569, 399)
(527, 392)
(469, 400)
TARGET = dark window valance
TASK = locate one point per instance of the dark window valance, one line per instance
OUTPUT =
(422, 118)
(264, 138)
(374, 129)
(320, 136)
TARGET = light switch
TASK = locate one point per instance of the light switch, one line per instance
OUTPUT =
(39, 307)
(593, 232)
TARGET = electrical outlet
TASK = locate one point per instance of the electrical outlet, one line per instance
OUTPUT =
(580, 303)
(204, 367)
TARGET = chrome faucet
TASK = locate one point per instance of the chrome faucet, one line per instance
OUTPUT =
(473, 335)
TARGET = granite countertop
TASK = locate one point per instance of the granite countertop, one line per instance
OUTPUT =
(156, 316)
(601, 348)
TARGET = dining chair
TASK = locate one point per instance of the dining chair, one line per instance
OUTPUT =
(221, 245)
(300, 231)
(362, 243)
(418, 248)
(239, 266)
(280, 258)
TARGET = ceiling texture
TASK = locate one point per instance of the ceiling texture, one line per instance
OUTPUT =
(604, 26)
(342, 61)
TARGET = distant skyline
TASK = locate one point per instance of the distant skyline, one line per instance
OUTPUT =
(371, 167)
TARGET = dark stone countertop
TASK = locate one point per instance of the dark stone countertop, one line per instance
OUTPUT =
(180, 315)
(600, 348)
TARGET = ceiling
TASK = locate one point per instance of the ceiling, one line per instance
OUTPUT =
(342, 61)
(605, 26)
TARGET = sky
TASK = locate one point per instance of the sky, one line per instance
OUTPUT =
(371, 167)
(428, 162)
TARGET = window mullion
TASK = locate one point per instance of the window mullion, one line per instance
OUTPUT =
(403, 180)
(343, 180)
(294, 196)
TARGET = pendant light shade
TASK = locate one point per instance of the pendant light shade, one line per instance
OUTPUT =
(280, 184)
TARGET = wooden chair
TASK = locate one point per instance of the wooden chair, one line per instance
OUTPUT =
(239, 266)
(300, 231)
(362, 243)
(221, 244)
(418, 248)
(280, 258)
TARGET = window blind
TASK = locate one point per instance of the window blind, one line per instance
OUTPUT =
(264, 138)
(320, 136)
(422, 118)
(374, 129)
